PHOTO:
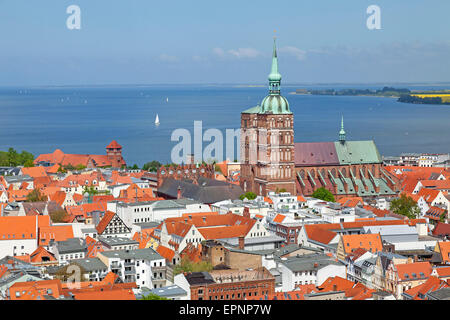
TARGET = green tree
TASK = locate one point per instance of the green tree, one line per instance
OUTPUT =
(80, 167)
(25, 157)
(91, 190)
(152, 166)
(186, 265)
(28, 164)
(443, 216)
(152, 296)
(405, 206)
(36, 196)
(13, 158)
(323, 194)
(69, 167)
(249, 195)
(58, 216)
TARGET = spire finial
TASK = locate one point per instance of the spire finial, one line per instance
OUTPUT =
(342, 132)
(274, 76)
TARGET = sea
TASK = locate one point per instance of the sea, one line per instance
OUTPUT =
(85, 120)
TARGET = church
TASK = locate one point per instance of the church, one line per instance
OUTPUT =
(272, 161)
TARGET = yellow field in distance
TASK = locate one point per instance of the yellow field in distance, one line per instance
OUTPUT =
(444, 97)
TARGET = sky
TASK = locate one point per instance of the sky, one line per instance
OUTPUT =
(224, 42)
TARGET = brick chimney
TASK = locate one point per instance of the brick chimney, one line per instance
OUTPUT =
(241, 243)
(246, 212)
(179, 192)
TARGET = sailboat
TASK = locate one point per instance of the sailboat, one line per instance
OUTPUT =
(167, 99)
(157, 120)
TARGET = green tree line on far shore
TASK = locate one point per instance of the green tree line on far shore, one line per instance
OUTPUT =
(12, 158)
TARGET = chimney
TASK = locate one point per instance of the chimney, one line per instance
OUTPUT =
(246, 212)
(241, 243)
(179, 193)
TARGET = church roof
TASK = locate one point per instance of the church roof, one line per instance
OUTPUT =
(315, 153)
(357, 152)
(336, 153)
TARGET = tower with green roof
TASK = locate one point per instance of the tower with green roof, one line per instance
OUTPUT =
(267, 140)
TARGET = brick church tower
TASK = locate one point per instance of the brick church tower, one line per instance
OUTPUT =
(114, 154)
(267, 141)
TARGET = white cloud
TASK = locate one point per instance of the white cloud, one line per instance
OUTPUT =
(219, 52)
(244, 53)
(168, 58)
(299, 54)
(237, 53)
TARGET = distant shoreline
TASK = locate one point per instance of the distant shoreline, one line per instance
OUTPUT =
(438, 97)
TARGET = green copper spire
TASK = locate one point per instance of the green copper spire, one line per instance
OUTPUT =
(275, 103)
(342, 132)
(274, 76)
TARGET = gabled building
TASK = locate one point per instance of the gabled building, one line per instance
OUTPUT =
(233, 229)
(403, 277)
(112, 226)
(348, 243)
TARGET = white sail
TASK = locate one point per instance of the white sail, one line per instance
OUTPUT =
(167, 99)
(157, 119)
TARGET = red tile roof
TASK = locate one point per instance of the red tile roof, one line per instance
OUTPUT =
(39, 254)
(434, 213)
(34, 172)
(350, 202)
(336, 284)
(114, 145)
(165, 252)
(405, 271)
(441, 229)
(55, 233)
(370, 242)
(93, 247)
(444, 249)
(279, 218)
(18, 227)
(35, 290)
(109, 215)
(432, 284)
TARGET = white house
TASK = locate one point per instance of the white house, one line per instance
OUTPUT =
(149, 211)
(312, 268)
(143, 266)
(18, 235)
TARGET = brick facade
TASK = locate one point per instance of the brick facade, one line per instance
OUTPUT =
(234, 289)
(182, 172)
(267, 153)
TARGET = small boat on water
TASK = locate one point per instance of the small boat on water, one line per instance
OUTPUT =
(167, 99)
(157, 120)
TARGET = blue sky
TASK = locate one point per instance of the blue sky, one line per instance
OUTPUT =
(199, 41)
